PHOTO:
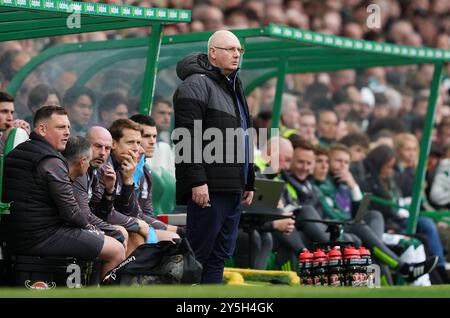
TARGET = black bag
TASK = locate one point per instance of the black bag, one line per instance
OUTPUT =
(162, 263)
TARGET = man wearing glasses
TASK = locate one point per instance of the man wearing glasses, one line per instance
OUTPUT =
(211, 98)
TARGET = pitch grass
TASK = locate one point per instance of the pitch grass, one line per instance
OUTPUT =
(261, 291)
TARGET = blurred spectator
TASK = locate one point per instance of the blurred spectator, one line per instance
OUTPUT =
(327, 123)
(162, 114)
(352, 30)
(407, 96)
(418, 124)
(296, 19)
(382, 137)
(275, 15)
(307, 126)
(358, 143)
(341, 78)
(3, 83)
(11, 61)
(256, 6)
(254, 101)
(443, 131)
(321, 103)
(406, 148)
(268, 90)
(420, 106)
(342, 105)
(301, 81)
(10, 45)
(210, 16)
(111, 107)
(381, 109)
(42, 95)
(7, 121)
(439, 188)
(342, 129)
(65, 80)
(289, 112)
(241, 18)
(400, 30)
(79, 105)
(332, 21)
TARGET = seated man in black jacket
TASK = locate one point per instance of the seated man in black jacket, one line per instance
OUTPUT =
(45, 218)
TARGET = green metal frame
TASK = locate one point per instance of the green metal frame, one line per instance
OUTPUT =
(277, 51)
(425, 146)
(25, 19)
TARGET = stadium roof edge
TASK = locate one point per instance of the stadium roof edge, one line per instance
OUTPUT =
(25, 19)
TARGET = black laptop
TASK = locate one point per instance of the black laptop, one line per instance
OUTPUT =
(267, 194)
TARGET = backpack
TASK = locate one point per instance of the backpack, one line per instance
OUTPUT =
(165, 262)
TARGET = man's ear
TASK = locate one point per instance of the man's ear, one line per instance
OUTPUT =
(113, 146)
(81, 162)
(212, 53)
(41, 129)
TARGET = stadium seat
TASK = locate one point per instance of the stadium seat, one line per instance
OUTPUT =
(157, 192)
(163, 192)
(168, 200)
(15, 137)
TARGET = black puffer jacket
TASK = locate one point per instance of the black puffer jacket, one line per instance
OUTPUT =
(42, 200)
(207, 95)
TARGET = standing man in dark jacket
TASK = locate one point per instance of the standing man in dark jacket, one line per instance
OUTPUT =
(211, 96)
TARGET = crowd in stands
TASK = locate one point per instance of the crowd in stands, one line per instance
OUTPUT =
(342, 133)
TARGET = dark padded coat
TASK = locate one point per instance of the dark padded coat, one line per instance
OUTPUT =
(207, 95)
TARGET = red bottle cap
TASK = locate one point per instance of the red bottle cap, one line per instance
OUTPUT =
(351, 252)
(305, 256)
(364, 251)
(335, 254)
(320, 255)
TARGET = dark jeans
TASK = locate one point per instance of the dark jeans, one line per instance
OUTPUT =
(427, 227)
(212, 232)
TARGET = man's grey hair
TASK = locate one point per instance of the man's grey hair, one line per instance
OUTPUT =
(76, 147)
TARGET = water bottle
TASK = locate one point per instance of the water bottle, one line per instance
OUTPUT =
(335, 267)
(319, 268)
(305, 261)
(352, 261)
(366, 261)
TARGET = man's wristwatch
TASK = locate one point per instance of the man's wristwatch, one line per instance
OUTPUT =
(109, 194)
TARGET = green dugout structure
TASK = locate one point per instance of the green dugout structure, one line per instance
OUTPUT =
(28, 19)
(270, 52)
